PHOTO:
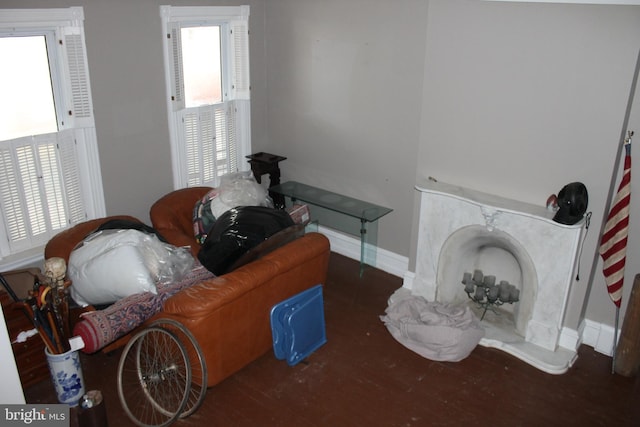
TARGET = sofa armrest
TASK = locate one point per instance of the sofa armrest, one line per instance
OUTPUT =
(172, 216)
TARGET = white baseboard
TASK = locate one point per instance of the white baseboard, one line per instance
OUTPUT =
(409, 276)
(349, 246)
(569, 339)
(599, 336)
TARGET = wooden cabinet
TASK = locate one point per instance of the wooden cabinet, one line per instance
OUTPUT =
(30, 358)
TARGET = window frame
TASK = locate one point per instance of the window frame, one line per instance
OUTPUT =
(75, 140)
(189, 169)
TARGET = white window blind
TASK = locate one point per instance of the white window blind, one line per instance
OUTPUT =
(239, 46)
(40, 190)
(78, 76)
(210, 142)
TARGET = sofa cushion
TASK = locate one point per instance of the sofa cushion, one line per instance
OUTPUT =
(172, 216)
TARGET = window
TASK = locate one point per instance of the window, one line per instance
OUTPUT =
(25, 81)
(49, 170)
(207, 79)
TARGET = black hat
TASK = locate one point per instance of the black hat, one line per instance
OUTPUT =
(573, 200)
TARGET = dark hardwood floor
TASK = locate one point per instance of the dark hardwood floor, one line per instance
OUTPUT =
(363, 377)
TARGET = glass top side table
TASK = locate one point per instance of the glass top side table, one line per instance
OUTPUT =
(361, 210)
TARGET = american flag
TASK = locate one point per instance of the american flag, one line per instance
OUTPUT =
(613, 245)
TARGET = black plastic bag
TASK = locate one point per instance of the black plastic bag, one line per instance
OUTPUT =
(124, 224)
(237, 231)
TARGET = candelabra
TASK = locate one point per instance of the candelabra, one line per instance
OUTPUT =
(484, 291)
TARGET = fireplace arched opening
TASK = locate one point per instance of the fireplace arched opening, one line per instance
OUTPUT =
(494, 252)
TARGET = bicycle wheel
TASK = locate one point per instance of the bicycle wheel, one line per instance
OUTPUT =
(154, 377)
(198, 388)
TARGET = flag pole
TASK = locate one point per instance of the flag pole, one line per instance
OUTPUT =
(615, 341)
(612, 190)
(627, 146)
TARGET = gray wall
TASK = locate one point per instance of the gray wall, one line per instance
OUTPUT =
(344, 100)
(364, 96)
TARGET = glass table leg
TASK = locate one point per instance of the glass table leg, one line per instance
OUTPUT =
(363, 234)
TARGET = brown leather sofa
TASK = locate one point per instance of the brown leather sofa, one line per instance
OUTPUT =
(228, 315)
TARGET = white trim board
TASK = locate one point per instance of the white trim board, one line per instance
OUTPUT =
(599, 336)
(349, 246)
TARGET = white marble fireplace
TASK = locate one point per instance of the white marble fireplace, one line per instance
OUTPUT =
(462, 230)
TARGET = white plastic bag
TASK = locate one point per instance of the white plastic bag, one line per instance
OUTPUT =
(242, 189)
(113, 264)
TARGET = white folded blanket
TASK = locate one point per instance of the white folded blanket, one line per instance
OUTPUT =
(437, 331)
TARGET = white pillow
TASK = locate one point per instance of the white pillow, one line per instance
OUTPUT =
(113, 264)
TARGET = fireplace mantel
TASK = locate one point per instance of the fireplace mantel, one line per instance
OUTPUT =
(459, 226)
(489, 200)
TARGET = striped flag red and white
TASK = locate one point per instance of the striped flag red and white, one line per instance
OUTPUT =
(613, 245)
